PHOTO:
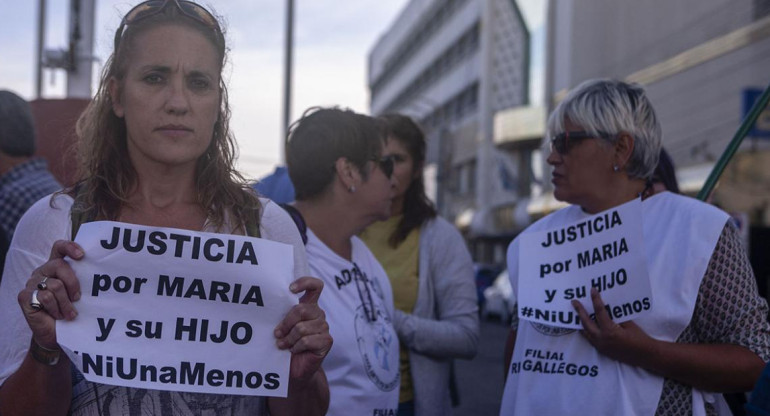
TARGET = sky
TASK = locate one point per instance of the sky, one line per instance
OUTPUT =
(332, 41)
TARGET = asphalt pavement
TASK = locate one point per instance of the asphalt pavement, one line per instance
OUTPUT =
(480, 380)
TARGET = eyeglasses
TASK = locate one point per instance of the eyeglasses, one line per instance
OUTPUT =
(562, 143)
(150, 8)
(364, 294)
(386, 165)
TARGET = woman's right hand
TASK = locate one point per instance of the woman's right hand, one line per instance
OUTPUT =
(61, 288)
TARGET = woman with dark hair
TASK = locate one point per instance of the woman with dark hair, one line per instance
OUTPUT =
(155, 149)
(431, 272)
(343, 184)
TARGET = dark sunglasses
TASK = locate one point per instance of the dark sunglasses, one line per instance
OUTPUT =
(562, 143)
(386, 165)
(150, 8)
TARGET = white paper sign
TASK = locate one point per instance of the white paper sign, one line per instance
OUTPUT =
(605, 251)
(179, 310)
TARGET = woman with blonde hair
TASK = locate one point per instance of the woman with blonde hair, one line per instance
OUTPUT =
(155, 150)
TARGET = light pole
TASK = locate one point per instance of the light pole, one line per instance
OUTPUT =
(40, 48)
(289, 46)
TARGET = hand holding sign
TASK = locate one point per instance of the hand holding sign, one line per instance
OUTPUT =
(624, 342)
(603, 252)
(173, 309)
(304, 330)
(61, 289)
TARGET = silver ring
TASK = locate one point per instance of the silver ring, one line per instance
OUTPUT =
(34, 303)
(42, 285)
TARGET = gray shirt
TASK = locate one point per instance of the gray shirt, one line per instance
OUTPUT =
(444, 323)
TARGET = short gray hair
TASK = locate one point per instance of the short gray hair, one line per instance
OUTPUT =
(17, 130)
(613, 107)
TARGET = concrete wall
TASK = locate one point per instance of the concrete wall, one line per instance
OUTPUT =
(695, 58)
(462, 20)
(55, 128)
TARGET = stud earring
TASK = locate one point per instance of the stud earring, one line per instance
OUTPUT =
(351, 189)
(616, 168)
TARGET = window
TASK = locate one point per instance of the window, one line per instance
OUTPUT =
(441, 65)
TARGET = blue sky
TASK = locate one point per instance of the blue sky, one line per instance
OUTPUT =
(332, 39)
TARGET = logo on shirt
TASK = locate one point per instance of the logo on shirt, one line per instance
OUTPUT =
(377, 340)
(551, 331)
(378, 346)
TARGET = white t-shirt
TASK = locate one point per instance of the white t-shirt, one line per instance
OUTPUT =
(35, 234)
(556, 371)
(362, 366)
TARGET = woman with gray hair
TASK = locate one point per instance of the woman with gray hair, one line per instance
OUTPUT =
(705, 326)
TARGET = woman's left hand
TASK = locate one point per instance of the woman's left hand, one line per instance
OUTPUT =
(624, 342)
(304, 330)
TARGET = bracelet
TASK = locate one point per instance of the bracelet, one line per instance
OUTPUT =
(44, 355)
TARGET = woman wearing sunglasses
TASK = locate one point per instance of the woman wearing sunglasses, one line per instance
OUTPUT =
(155, 149)
(431, 272)
(705, 332)
(342, 185)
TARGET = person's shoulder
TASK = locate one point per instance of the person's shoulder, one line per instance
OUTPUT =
(555, 219)
(275, 221)
(564, 215)
(686, 206)
(46, 221)
(361, 249)
(277, 225)
(440, 225)
(273, 216)
(49, 206)
(442, 235)
(364, 258)
(359, 244)
(270, 210)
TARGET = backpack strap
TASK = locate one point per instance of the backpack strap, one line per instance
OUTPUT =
(298, 220)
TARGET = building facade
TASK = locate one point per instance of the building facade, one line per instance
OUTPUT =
(696, 58)
(452, 65)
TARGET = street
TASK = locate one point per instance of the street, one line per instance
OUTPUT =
(480, 381)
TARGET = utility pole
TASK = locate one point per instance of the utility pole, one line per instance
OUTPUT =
(77, 59)
(40, 47)
(484, 144)
(287, 75)
(81, 46)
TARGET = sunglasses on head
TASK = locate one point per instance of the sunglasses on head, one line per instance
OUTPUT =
(562, 143)
(150, 8)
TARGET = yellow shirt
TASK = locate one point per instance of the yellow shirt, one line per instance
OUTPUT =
(402, 265)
